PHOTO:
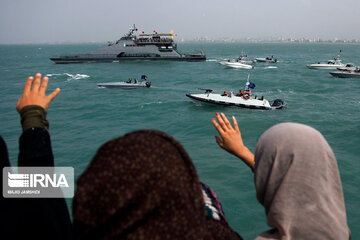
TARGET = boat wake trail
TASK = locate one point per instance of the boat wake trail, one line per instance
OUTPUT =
(211, 60)
(270, 67)
(69, 76)
(150, 103)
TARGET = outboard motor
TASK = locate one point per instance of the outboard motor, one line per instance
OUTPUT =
(148, 84)
(278, 103)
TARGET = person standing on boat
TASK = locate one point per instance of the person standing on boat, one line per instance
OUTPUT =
(225, 94)
(240, 94)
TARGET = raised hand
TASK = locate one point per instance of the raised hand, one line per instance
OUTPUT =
(35, 95)
(231, 139)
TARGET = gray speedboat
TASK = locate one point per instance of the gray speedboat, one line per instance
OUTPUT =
(130, 84)
(347, 74)
(347, 67)
(133, 46)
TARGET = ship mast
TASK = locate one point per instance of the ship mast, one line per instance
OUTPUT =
(131, 31)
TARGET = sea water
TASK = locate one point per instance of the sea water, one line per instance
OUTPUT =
(84, 116)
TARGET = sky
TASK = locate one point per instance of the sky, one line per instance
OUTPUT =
(75, 21)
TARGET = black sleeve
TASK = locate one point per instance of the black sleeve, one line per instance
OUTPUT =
(44, 218)
(35, 148)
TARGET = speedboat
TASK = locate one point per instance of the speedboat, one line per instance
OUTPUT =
(347, 67)
(267, 59)
(124, 85)
(130, 84)
(236, 64)
(243, 99)
(242, 59)
(240, 62)
(347, 74)
(331, 64)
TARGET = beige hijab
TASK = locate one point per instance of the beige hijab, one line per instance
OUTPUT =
(298, 183)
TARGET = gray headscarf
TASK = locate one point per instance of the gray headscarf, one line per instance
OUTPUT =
(298, 183)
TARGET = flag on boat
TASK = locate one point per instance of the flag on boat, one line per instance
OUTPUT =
(143, 77)
(251, 85)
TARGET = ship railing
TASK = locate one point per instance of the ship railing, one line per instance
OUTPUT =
(153, 41)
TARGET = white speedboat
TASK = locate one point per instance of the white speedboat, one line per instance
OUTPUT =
(130, 84)
(243, 99)
(243, 59)
(267, 59)
(236, 64)
(347, 74)
(240, 62)
(331, 64)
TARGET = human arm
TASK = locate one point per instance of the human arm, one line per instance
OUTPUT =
(35, 145)
(231, 139)
(49, 217)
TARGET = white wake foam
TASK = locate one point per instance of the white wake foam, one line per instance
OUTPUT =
(70, 76)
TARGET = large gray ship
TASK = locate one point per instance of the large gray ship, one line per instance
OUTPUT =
(155, 46)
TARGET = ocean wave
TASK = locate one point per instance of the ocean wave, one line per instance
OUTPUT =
(270, 67)
(211, 60)
(70, 76)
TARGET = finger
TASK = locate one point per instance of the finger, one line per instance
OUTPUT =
(226, 121)
(221, 122)
(36, 84)
(236, 126)
(54, 94)
(219, 142)
(216, 125)
(43, 86)
(28, 83)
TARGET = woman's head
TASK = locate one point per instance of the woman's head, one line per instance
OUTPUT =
(142, 186)
(298, 183)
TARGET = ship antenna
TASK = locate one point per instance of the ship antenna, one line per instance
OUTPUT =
(247, 83)
(132, 30)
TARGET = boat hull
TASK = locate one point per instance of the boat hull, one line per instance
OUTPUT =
(124, 85)
(324, 66)
(266, 60)
(79, 59)
(235, 101)
(343, 74)
(236, 65)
